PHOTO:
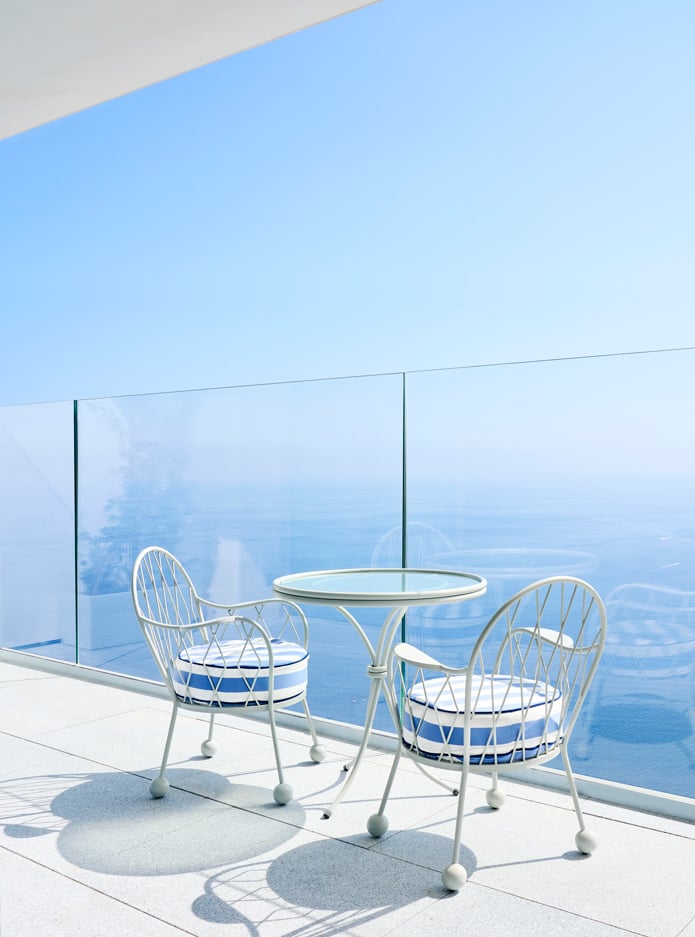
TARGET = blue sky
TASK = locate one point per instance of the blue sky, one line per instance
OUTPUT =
(420, 184)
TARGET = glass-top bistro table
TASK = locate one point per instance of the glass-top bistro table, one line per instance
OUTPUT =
(393, 589)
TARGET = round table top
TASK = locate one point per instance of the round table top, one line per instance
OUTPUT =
(380, 587)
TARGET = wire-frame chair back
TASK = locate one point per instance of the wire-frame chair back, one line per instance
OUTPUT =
(163, 592)
(221, 657)
(165, 599)
(515, 702)
(519, 698)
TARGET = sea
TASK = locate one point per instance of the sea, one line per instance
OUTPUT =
(638, 724)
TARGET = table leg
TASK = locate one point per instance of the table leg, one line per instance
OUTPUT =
(377, 672)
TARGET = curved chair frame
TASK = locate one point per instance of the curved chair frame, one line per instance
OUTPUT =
(202, 647)
(544, 645)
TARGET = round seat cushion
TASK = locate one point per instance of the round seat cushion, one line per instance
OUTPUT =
(513, 720)
(237, 673)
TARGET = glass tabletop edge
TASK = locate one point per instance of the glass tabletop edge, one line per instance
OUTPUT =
(291, 584)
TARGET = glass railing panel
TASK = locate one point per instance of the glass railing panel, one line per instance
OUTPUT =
(37, 544)
(243, 485)
(580, 467)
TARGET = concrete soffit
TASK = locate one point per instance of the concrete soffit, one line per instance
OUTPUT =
(58, 57)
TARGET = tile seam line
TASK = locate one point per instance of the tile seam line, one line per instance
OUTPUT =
(686, 926)
(588, 802)
(94, 761)
(145, 777)
(183, 790)
(502, 891)
(540, 904)
(574, 914)
(97, 891)
(113, 715)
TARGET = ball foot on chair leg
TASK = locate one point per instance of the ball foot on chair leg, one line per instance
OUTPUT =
(159, 788)
(495, 798)
(377, 825)
(208, 748)
(317, 753)
(586, 841)
(282, 794)
(454, 877)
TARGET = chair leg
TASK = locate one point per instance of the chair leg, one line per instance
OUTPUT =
(282, 792)
(160, 785)
(495, 797)
(435, 780)
(454, 876)
(585, 839)
(317, 752)
(378, 824)
(208, 747)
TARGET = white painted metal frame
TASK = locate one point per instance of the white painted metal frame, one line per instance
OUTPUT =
(365, 588)
(513, 706)
(237, 644)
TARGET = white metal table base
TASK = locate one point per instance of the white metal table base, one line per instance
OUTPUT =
(377, 672)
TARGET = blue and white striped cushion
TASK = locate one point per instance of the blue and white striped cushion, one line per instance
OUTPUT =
(236, 673)
(528, 722)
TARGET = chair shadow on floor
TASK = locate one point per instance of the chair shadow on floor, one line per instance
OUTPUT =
(324, 888)
(107, 822)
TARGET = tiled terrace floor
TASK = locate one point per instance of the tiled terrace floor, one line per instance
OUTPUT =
(84, 850)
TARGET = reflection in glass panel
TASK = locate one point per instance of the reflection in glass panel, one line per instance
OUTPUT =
(243, 485)
(37, 565)
(580, 467)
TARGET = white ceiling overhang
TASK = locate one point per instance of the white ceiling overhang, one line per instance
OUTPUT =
(58, 57)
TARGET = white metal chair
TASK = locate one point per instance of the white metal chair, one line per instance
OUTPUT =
(513, 706)
(217, 658)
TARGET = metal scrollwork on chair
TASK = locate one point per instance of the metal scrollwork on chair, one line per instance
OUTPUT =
(215, 657)
(515, 703)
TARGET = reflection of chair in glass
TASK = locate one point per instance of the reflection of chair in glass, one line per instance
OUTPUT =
(507, 569)
(645, 686)
(515, 704)
(217, 657)
(434, 626)
(422, 543)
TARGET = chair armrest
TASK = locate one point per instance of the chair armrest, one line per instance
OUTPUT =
(413, 655)
(293, 615)
(551, 635)
(231, 607)
(208, 627)
(191, 626)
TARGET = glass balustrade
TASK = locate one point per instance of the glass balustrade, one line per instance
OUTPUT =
(243, 485)
(37, 530)
(579, 467)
